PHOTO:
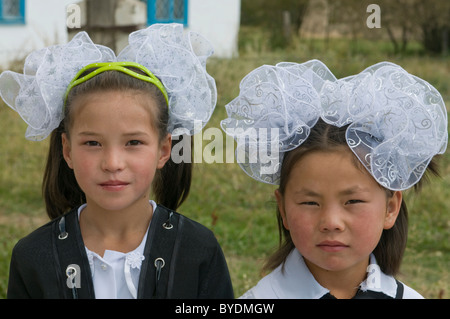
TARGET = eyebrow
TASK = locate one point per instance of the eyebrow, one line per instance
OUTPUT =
(137, 133)
(90, 133)
(354, 190)
(345, 192)
(306, 192)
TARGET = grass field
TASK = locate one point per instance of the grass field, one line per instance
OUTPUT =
(239, 210)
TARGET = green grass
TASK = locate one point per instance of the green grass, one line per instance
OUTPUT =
(239, 210)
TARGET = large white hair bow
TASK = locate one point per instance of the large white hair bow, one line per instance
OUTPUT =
(178, 59)
(397, 121)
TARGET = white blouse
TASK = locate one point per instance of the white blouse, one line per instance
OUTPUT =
(297, 282)
(116, 274)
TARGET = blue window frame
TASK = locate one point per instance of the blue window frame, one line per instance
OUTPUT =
(167, 11)
(12, 11)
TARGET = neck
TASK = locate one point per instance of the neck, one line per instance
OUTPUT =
(342, 284)
(119, 230)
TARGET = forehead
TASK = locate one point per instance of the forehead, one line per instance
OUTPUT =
(338, 169)
(113, 108)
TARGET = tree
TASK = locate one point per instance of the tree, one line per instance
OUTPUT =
(403, 21)
(276, 16)
(433, 17)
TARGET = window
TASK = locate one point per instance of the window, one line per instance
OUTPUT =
(12, 11)
(166, 11)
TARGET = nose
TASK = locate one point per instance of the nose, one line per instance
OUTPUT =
(331, 220)
(113, 160)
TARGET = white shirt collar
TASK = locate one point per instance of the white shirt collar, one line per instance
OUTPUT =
(116, 274)
(378, 281)
(297, 281)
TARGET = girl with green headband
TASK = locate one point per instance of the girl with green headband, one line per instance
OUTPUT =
(111, 123)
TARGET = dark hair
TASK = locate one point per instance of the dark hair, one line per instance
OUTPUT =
(60, 189)
(391, 247)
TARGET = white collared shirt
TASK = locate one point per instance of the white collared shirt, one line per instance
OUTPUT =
(297, 282)
(116, 274)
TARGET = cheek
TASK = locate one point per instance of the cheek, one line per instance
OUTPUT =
(145, 174)
(142, 168)
(301, 227)
(367, 230)
(83, 167)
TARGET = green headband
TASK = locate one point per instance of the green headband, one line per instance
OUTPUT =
(116, 66)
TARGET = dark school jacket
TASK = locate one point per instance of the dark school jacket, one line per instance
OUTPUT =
(182, 260)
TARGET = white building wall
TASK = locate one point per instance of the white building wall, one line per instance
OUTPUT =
(45, 24)
(218, 21)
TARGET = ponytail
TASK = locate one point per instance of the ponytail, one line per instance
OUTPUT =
(391, 247)
(172, 183)
(59, 187)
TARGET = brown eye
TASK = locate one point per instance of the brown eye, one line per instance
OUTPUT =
(134, 143)
(92, 143)
(354, 201)
(309, 203)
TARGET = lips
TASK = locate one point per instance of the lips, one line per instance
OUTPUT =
(114, 185)
(332, 246)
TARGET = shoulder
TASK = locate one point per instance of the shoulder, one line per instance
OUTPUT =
(195, 229)
(37, 241)
(263, 289)
(32, 265)
(290, 280)
(198, 265)
(409, 293)
(266, 288)
(190, 230)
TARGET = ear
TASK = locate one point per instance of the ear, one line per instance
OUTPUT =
(280, 203)
(67, 150)
(393, 209)
(165, 149)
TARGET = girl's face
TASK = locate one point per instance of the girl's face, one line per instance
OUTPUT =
(335, 211)
(114, 148)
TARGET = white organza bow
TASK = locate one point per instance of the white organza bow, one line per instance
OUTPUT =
(176, 58)
(397, 121)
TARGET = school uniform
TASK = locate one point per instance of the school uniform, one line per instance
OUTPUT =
(178, 258)
(297, 282)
